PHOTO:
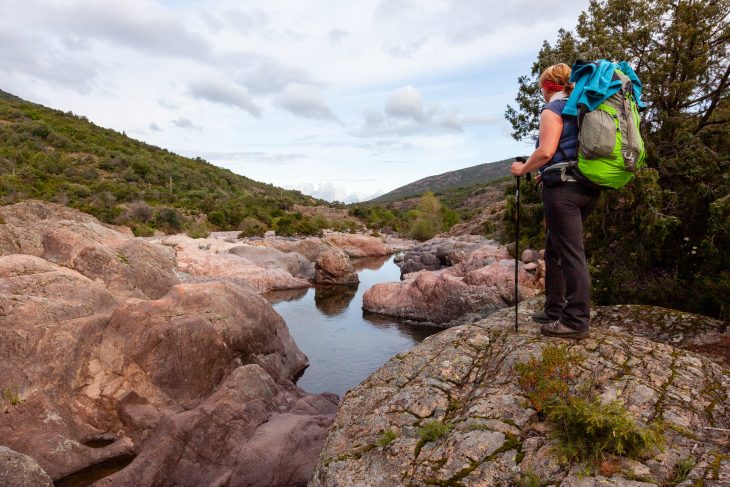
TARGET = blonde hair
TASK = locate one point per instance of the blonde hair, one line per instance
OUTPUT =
(560, 74)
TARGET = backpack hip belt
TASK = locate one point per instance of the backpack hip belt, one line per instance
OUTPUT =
(565, 171)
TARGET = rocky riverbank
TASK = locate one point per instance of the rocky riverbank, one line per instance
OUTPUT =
(452, 411)
(447, 278)
(156, 353)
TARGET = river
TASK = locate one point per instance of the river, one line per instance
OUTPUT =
(345, 344)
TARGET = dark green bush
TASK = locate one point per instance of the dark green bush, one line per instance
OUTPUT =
(251, 227)
(169, 219)
(197, 229)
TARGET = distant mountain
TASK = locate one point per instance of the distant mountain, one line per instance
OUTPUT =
(461, 178)
(51, 155)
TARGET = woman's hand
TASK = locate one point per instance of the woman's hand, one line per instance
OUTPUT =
(518, 168)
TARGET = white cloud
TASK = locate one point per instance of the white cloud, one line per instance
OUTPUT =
(275, 158)
(406, 102)
(136, 24)
(305, 101)
(406, 114)
(186, 123)
(226, 93)
(326, 190)
(28, 54)
(245, 22)
(337, 36)
(261, 73)
(458, 122)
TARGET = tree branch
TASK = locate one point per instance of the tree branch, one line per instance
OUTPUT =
(715, 100)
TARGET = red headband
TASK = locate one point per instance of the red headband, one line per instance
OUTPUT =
(552, 87)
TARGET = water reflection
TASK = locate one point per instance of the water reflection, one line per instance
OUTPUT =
(371, 263)
(343, 344)
(278, 296)
(333, 300)
(417, 332)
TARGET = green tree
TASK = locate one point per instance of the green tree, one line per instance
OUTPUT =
(428, 218)
(657, 240)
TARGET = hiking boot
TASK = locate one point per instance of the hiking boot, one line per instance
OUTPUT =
(543, 317)
(559, 330)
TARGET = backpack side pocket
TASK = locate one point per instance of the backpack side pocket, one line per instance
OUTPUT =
(597, 136)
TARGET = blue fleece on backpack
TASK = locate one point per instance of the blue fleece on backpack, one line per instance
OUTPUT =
(594, 83)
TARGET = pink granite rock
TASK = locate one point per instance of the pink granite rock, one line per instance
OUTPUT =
(436, 297)
(334, 267)
(356, 245)
(211, 258)
(127, 266)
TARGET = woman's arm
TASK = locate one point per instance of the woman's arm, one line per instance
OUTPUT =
(551, 126)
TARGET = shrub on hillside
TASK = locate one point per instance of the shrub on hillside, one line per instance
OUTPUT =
(138, 211)
(251, 227)
(169, 219)
(197, 229)
(142, 230)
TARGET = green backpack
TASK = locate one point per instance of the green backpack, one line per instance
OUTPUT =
(610, 148)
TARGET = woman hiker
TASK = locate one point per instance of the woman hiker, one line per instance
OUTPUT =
(567, 203)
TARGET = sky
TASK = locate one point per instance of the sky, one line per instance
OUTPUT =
(340, 100)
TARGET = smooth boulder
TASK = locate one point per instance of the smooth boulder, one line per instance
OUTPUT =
(311, 247)
(212, 259)
(445, 295)
(334, 267)
(356, 245)
(129, 267)
(434, 297)
(18, 470)
(186, 342)
(270, 258)
(249, 431)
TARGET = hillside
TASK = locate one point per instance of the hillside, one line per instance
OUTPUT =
(470, 176)
(50, 155)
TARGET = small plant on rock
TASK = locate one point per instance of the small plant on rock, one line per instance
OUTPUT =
(681, 471)
(431, 431)
(12, 395)
(589, 429)
(547, 378)
(529, 479)
(387, 438)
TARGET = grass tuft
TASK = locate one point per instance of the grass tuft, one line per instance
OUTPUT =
(431, 431)
(387, 438)
(12, 395)
(529, 479)
(681, 471)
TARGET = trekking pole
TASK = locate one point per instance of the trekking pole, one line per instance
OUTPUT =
(517, 242)
(517, 250)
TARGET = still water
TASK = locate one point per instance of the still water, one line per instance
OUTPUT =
(343, 343)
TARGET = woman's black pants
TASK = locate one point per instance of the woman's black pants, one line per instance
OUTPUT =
(567, 281)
